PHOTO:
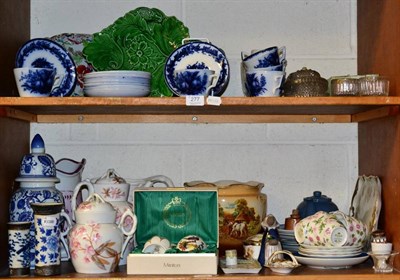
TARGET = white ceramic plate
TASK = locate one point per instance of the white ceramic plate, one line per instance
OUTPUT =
(116, 91)
(329, 255)
(321, 248)
(367, 202)
(331, 263)
(116, 73)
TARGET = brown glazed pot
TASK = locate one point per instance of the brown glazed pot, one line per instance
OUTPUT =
(242, 208)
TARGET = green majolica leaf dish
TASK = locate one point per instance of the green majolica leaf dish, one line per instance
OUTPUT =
(141, 40)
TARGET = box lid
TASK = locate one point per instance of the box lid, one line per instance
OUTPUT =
(174, 213)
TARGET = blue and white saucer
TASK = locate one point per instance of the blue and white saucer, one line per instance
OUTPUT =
(44, 53)
(198, 55)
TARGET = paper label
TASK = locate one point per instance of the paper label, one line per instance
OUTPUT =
(214, 100)
(194, 100)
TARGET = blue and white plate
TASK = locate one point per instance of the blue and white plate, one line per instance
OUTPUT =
(44, 53)
(198, 55)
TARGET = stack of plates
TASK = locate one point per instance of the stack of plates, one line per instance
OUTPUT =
(288, 241)
(330, 257)
(117, 84)
(330, 252)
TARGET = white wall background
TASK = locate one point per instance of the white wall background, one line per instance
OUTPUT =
(292, 160)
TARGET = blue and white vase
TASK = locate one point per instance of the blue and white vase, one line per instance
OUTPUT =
(18, 248)
(37, 184)
(48, 237)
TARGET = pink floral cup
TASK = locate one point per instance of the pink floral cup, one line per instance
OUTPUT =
(357, 231)
(321, 229)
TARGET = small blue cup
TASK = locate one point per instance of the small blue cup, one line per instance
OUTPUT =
(35, 82)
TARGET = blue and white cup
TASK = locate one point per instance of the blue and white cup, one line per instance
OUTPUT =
(18, 248)
(50, 235)
(195, 81)
(263, 83)
(36, 82)
(268, 57)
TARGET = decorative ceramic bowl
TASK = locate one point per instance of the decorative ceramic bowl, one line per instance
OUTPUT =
(305, 83)
(282, 266)
(242, 208)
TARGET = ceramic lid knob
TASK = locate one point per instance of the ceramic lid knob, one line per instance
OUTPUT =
(110, 177)
(37, 144)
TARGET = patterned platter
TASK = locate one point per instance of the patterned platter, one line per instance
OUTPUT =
(140, 40)
(74, 43)
(44, 53)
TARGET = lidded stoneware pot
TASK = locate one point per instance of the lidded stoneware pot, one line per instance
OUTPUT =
(96, 242)
(37, 179)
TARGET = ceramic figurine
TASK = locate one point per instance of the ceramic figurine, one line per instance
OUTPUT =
(270, 225)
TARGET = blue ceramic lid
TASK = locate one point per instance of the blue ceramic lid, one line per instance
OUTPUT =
(37, 165)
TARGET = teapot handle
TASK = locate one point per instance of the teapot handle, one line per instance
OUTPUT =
(129, 233)
(150, 181)
(89, 186)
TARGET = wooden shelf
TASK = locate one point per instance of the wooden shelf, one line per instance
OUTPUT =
(364, 272)
(171, 110)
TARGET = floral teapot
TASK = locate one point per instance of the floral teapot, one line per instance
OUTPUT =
(116, 190)
(96, 242)
(111, 187)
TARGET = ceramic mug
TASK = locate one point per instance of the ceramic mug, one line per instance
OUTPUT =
(321, 229)
(18, 248)
(36, 82)
(195, 81)
(264, 58)
(357, 231)
(263, 83)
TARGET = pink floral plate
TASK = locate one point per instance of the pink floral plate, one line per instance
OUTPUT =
(74, 43)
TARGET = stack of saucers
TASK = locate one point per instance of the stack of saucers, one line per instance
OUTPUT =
(117, 84)
(288, 241)
(330, 252)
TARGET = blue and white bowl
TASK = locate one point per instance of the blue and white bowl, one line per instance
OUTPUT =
(117, 84)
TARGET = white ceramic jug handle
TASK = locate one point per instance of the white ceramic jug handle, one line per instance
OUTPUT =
(129, 234)
(150, 181)
(77, 189)
(64, 234)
